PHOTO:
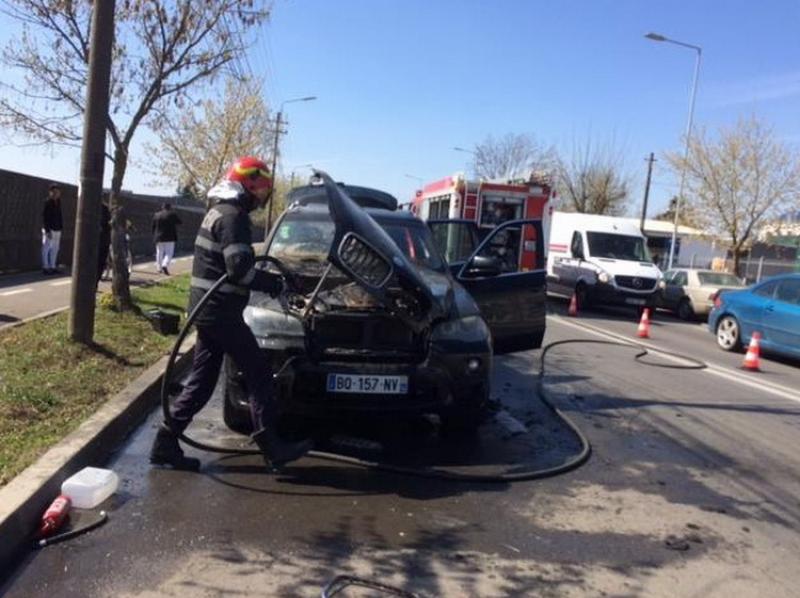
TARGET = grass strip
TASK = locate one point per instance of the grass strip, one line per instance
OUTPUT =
(49, 385)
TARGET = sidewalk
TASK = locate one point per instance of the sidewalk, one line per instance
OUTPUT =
(31, 294)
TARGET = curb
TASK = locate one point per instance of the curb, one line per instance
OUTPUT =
(24, 499)
(44, 314)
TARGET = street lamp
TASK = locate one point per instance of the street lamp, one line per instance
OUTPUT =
(275, 148)
(413, 176)
(297, 167)
(656, 37)
(466, 151)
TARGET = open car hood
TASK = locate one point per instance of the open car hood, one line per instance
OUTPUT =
(365, 253)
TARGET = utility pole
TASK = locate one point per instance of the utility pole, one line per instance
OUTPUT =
(278, 133)
(87, 229)
(650, 161)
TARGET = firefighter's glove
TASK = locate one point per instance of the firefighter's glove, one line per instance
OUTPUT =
(292, 282)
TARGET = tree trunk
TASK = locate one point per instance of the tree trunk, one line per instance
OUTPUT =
(119, 286)
(736, 258)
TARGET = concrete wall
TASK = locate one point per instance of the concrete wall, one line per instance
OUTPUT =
(21, 202)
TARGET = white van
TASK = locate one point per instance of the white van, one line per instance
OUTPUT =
(602, 259)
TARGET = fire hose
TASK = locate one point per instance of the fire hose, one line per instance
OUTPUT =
(427, 472)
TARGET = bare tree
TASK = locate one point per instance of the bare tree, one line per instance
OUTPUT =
(513, 156)
(738, 180)
(162, 49)
(201, 143)
(687, 216)
(593, 179)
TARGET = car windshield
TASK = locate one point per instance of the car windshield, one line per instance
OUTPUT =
(718, 279)
(617, 247)
(303, 240)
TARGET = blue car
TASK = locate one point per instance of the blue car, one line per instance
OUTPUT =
(771, 307)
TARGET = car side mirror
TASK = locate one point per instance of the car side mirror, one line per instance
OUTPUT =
(578, 253)
(482, 265)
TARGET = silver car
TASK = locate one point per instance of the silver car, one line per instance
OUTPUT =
(688, 291)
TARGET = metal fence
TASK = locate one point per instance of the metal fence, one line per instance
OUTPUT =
(751, 269)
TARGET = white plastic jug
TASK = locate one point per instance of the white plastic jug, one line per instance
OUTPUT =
(90, 486)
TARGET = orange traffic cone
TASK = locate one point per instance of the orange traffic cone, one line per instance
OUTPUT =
(573, 306)
(644, 324)
(751, 359)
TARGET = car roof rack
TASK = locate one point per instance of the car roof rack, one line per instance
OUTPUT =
(365, 197)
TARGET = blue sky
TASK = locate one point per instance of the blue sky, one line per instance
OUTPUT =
(399, 83)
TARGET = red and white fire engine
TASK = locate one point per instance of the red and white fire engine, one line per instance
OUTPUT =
(488, 203)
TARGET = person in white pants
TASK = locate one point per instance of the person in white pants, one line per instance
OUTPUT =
(165, 235)
(52, 226)
(165, 250)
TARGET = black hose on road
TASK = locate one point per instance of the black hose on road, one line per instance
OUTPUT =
(427, 472)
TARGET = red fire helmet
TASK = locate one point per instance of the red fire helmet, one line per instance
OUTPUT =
(251, 172)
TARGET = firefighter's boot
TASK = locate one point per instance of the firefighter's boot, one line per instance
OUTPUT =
(277, 452)
(167, 451)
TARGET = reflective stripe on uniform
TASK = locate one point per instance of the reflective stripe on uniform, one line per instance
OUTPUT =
(235, 248)
(207, 244)
(210, 218)
(205, 284)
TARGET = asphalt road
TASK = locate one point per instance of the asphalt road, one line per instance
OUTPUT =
(692, 490)
(30, 294)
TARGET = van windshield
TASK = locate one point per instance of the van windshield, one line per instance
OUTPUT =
(618, 247)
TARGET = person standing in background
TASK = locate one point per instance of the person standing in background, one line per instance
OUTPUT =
(52, 225)
(165, 234)
(105, 241)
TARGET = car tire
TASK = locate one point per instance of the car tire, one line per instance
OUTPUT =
(235, 415)
(729, 334)
(685, 311)
(464, 417)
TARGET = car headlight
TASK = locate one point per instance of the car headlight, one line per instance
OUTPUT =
(270, 326)
(470, 329)
(604, 277)
(662, 285)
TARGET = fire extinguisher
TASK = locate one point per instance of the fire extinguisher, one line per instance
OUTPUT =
(55, 516)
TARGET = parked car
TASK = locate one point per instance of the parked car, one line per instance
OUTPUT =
(771, 307)
(379, 323)
(690, 292)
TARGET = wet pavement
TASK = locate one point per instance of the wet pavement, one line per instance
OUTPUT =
(691, 491)
(309, 521)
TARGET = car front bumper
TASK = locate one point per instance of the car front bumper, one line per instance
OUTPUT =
(609, 294)
(440, 382)
(301, 385)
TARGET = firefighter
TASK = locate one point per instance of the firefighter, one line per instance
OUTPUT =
(223, 245)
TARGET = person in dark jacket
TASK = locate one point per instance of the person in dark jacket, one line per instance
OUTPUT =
(52, 226)
(223, 246)
(104, 240)
(165, 234)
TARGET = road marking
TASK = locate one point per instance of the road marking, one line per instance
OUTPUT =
(713, 368)
(15, 292)
(61, 283)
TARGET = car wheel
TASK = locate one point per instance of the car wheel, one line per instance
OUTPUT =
(685, 311)
(465, 416)
(728, 334)
(235, 414)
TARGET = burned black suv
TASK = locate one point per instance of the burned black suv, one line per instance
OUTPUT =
(379, 322)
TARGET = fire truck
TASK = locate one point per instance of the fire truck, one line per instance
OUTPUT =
(489, 204)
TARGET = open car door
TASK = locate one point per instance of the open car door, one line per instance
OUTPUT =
(505, 275)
